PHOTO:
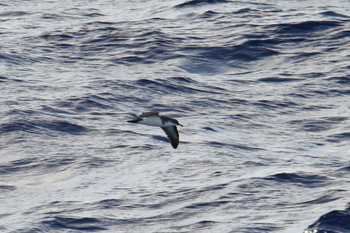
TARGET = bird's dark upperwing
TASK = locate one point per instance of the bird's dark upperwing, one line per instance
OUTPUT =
(146, 114)
(173, 135)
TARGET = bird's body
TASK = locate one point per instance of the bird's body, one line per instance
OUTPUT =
(166, 123)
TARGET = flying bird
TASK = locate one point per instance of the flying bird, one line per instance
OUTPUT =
(166, 123)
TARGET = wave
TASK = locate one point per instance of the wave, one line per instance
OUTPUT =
(38, 126)
(75, 223)
(332, 222)
(302, 179)
(195, 3)
(306, 27)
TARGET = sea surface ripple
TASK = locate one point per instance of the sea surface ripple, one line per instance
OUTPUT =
(261, 87)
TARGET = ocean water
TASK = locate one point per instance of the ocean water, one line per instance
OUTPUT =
(261, 87)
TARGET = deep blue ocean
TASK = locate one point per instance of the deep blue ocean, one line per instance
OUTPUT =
(261, 87)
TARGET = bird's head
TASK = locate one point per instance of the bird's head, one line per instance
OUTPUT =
(177, 123)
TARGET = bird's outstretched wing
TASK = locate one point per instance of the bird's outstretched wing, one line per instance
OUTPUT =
(146, 114)
(173, 135)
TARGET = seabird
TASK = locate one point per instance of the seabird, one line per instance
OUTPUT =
(166, 123)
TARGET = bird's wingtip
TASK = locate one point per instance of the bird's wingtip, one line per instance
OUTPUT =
(133, 121)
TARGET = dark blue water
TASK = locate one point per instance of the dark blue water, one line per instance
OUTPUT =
(261, 87)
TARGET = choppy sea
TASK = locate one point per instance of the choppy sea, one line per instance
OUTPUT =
(261, 87)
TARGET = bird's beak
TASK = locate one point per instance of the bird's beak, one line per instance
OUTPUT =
(181, 125)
